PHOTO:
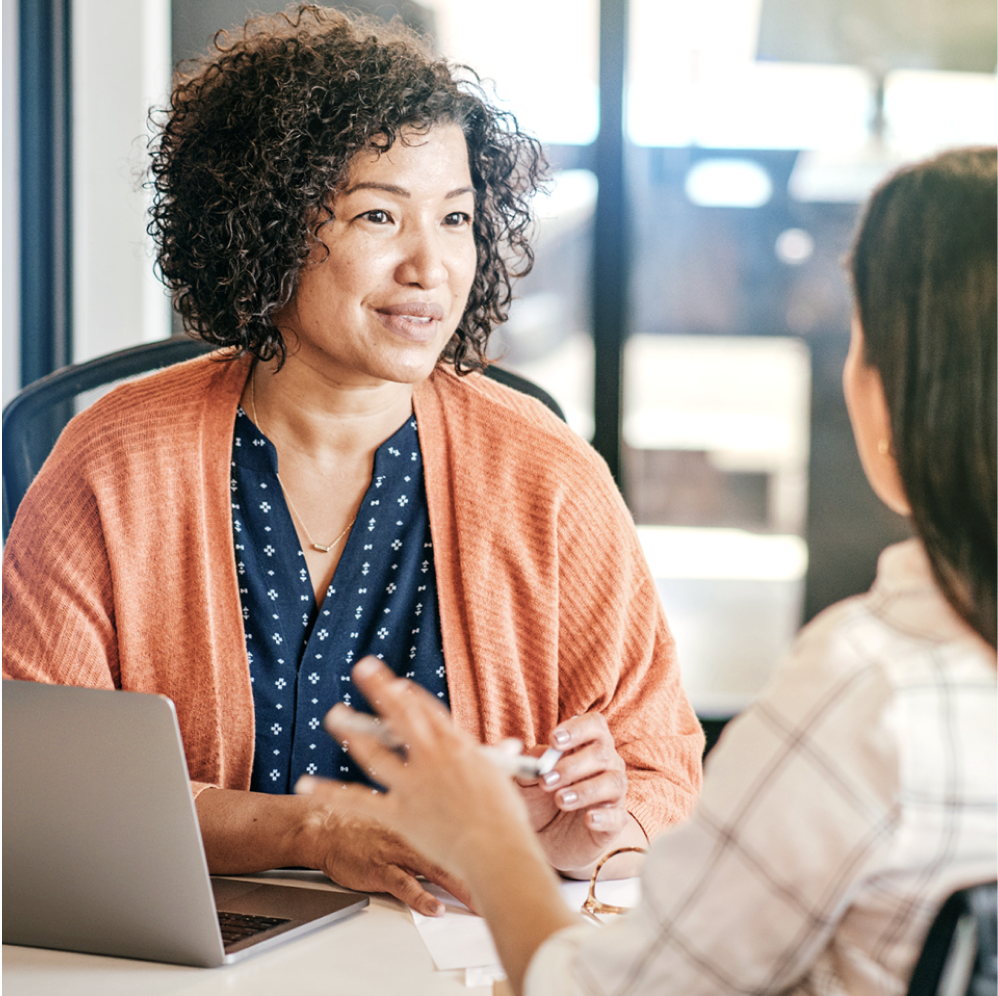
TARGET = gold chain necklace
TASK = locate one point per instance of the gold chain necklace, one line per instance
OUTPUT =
(321, 547)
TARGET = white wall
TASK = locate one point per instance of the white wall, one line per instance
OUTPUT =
(10, 271)
(121, 66)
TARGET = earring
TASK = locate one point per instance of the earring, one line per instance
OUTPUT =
(884, 447)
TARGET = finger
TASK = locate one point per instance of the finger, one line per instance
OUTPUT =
(405, 886)
(608, 788)
(371, 751)
(405, 705)
(586, 762)
(606, 823)
(581, 729)
(455, 886)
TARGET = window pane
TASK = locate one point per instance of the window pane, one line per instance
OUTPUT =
(542, 54)
(547, 76)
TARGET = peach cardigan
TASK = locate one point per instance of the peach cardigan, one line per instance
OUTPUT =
(119, 572)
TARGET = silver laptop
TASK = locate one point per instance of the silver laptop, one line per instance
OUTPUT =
(101, 847)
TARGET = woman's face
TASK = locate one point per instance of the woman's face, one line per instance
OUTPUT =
(385, 299)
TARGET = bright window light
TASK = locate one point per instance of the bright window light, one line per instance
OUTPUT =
(694, 80)
(929, 111)
(542, 55)
(740, 183)
(722, 554)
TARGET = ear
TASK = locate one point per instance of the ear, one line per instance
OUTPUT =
(871, 425)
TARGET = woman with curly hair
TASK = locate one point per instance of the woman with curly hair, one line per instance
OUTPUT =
(342, 214)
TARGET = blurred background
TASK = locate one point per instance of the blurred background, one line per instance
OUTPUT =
(689, 307)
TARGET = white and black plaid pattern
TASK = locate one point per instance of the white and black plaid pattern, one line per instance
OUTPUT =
(837, 814)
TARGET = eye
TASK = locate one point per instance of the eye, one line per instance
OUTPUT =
(377, 217)
(457, 218)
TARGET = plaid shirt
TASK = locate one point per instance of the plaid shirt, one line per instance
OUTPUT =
(838, 812)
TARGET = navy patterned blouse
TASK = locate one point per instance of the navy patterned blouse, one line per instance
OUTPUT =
(382, 600)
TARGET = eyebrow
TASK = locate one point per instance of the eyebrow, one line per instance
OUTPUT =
(401, 191)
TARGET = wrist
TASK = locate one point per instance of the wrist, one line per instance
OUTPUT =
(307, 839)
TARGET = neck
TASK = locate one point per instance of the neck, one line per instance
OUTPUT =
(307, 413)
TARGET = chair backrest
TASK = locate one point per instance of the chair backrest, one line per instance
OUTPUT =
(33, 420)
(960, 954)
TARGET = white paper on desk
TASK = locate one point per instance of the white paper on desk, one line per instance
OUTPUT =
(460, 939)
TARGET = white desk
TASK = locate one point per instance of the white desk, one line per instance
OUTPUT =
(376, 952)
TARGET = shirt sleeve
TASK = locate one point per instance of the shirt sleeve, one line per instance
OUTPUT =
(59, 613)
(618, 656)
(797, 803)
(58, 599)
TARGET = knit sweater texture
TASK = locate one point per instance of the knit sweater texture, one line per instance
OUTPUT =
(120, 572)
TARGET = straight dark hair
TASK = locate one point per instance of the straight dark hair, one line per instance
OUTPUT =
(924, 274)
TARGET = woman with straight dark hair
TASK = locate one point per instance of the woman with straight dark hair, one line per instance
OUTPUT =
(927, 323)
(859, 791)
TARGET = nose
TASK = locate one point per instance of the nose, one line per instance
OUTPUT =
(423, 262)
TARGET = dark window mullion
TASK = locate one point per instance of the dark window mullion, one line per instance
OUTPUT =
(611, 263)
(45, 186)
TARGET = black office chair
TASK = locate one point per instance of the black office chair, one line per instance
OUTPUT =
(33, 420)
(960, 954)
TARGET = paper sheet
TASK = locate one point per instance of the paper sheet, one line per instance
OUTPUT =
(460, 939)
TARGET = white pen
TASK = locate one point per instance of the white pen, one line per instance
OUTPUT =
(520, 765)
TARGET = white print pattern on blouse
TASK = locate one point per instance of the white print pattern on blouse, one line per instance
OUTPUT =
(311, 719)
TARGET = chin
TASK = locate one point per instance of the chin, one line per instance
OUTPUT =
(412, 366)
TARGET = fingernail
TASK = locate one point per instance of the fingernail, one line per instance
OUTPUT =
(305, 785)
(568, 797)
(562, 737)
(365, 667)
(437, 909)
(552, 778)
(595, 819)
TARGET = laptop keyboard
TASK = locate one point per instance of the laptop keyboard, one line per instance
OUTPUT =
(239, 926)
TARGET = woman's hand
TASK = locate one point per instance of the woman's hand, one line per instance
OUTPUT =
(252, 831)
(455, 806)
(362, 854)
(444, 797)
(577, 808)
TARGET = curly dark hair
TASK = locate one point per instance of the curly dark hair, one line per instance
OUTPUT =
(260, 134)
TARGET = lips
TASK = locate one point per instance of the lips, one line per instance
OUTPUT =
(414, 320)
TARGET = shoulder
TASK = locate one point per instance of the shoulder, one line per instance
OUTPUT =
(903, 625)
(168, 401)
(161, 418)
(859, 664)
(178, 389)
(504, 428)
